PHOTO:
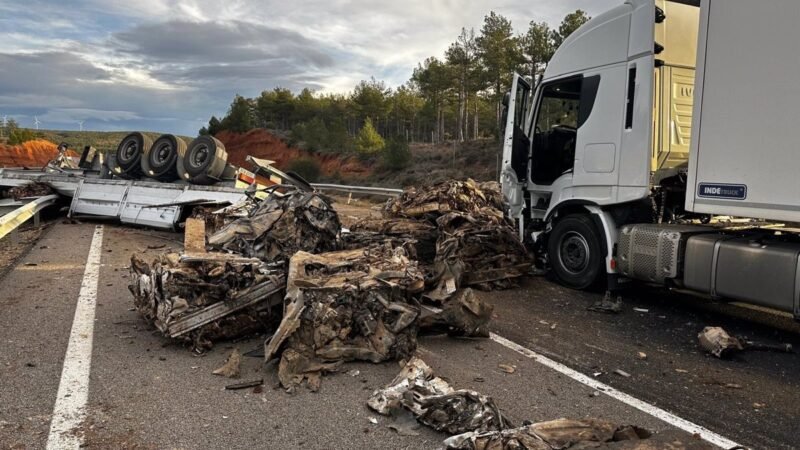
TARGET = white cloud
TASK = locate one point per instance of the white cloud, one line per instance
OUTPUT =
(174, 60)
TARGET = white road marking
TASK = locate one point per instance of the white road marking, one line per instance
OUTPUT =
(73, 390)
(668, 417)
(678, 422)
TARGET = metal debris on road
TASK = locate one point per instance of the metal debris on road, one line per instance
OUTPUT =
(244, 385)
(232, 366)
(507, 368)
(563, 434)
(345, 306)
(717, 341)
(463, 314)
(435, 403)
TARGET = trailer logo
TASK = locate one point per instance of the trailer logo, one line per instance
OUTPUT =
(721, 190)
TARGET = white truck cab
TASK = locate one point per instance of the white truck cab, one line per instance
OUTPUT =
(604, 167)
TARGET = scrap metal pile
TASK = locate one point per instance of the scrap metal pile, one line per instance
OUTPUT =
(202, 302)
(346, 296)
(462, 236)
(345, 306)
(203, 297)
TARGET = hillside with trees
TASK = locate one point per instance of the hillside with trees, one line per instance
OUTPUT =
(455, 97)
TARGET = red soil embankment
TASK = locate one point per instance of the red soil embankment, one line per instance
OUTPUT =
(260, 143)
(35, 153)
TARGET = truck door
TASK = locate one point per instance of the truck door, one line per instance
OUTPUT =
(516, 146)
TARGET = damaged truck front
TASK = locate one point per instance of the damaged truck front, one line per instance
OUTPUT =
(633, 141)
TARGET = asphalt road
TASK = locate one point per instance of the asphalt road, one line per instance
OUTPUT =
(147, 393)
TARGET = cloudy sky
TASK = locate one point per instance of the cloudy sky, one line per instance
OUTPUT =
(168, 65)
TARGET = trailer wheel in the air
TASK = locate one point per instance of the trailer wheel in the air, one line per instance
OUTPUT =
(575, 251)
(205, 157)
(159, 161)
(129, 154)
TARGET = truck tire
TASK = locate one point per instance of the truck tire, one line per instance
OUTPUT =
(575, 251)
(205, 157)
(162, 156)
(129, 154)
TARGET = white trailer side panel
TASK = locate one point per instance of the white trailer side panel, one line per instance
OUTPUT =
(745, 149)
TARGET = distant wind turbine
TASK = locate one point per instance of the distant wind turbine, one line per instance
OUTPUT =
(80, 124)
(36, 122)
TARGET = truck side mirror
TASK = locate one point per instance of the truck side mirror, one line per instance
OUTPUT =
(507, 99)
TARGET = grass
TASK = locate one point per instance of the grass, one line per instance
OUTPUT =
(102, 140)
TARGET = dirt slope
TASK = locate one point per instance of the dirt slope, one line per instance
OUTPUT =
(36, 153)
(261, 143)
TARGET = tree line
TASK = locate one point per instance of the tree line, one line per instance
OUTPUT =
(454, 97)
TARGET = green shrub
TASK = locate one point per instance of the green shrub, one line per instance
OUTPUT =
(397, 155)
(20, 135)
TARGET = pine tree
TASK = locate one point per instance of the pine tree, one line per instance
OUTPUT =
(368, 141)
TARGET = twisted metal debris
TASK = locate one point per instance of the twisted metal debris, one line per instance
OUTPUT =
(345, 306)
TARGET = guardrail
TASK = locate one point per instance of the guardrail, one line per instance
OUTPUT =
(14, 219)
(366, 190)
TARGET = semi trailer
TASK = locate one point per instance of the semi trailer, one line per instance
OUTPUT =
(651, 123)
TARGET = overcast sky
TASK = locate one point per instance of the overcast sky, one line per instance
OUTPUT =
(168, 65)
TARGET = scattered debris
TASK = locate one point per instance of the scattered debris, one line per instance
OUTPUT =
(718, 342)
(622, 373)
(461, 315)
(32, 189)
(641, 355)
(280, 226)
(245, 385)
(507, 368)
(231, 368)
(641, 310)
(564, 434)
(442, 198)
(607, 305)
(345, 306)
(435, 403)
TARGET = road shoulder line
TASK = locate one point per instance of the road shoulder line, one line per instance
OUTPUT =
(73, 390)
(678, 422)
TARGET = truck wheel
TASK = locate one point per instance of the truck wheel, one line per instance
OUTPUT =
(129, 153)
(162, 157)
(205, 156)
(575, 251)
